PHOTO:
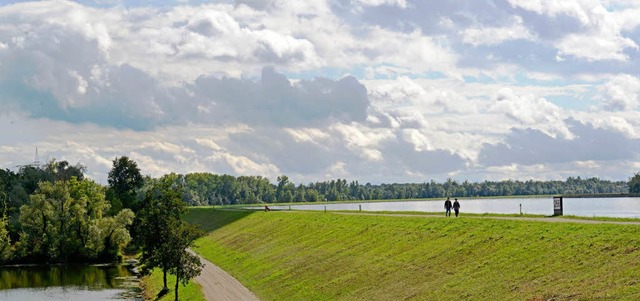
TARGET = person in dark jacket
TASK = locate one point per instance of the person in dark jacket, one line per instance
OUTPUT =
(456, 207)
(447, 207)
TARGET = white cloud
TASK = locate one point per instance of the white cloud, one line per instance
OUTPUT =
(359, 92)
(497, 35)
(622, 92)
(600, 37)
(398, 3)
(364, 141)
(309, 135)
(532, 112)
(596, 47)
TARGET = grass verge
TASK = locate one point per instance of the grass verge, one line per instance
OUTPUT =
(325, 256)
(152, 286)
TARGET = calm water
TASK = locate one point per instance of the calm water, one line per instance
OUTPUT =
(607, 207)
(63, 282)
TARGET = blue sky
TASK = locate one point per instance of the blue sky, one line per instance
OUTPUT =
(369, 90)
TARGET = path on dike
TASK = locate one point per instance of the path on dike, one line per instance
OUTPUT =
(218, 285)
(514, 218)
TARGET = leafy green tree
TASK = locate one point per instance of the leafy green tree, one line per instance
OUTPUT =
(113, 234)
(124, 181)
(284, 190)
(185, 264)
(634, 183)
(5, 240)
(162, 208)
(66, 221)
(63, 171)
(41, 220)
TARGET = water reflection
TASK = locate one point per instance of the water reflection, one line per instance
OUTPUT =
(60, 294)
(92, 277)
(63, 282)
(605, 207)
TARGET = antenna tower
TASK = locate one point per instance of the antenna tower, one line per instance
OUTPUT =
(35, 163)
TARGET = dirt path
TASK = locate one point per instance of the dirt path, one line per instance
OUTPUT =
(534, 219)
(217, 285)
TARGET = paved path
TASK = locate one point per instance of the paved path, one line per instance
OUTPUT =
(218, 285)
(515, 218)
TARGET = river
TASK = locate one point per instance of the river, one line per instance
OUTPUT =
(598, 207)
(65, 283)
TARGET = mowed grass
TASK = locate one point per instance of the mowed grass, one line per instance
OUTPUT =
(152, 285)
(325, 256)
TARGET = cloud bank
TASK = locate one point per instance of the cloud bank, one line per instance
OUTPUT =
(378, 91)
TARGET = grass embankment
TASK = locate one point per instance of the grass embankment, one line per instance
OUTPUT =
(324, 256)
(152, 285)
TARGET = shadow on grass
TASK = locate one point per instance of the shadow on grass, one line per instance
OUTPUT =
(210, 219)
(162, 293)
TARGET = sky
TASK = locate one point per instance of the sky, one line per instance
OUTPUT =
(379, 91)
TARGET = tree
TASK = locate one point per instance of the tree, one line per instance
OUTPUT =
(634, 183)
(63, 171)
(5, 240)
(44, 220)
(124, 180)
(114, 235)
(161, 209)
(65, 221)
(284, 190)
(186, 265)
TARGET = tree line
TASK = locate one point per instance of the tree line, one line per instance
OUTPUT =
(213, 189)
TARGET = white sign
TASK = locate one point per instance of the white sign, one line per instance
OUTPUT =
(557, 203)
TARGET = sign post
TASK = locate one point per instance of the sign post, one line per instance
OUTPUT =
(557, 205)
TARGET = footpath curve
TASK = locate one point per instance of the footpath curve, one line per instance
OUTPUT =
(218, 285)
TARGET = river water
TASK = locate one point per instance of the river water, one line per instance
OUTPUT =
(601, 207)
(64, 283)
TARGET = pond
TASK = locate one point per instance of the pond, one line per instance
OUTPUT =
(65, 282)
(602, 207)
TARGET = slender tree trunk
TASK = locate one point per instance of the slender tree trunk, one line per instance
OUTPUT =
(177, 282)
(164, 277)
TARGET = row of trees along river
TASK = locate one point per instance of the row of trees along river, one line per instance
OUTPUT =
(52, 213)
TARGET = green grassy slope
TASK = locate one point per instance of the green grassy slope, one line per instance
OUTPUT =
(324, 256)
(153, 285)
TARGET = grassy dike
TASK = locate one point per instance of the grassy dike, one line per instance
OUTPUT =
(326, 256)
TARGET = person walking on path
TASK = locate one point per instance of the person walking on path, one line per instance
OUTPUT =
(456, 207)
(447, 207)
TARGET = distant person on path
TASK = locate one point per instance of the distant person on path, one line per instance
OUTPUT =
(456, 207)
(447, 207)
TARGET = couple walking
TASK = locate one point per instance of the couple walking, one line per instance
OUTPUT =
(448, 206)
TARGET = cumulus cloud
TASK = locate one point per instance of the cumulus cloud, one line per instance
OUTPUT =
(275, 100)
(497, 35)
(375, 90)
(532, 112)
(529, 147)
(598, 36)
(622, 92)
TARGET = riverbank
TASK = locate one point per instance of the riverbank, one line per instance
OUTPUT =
(327, 256)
